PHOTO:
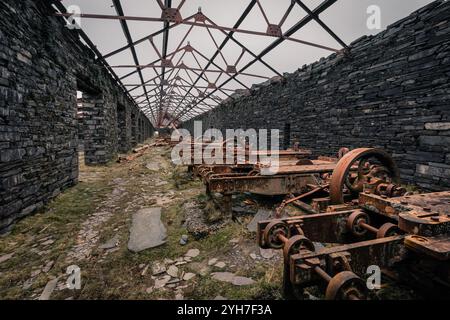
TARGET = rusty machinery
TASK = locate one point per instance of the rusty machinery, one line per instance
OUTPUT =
(243, 159)
(296, 174)
(387, 228)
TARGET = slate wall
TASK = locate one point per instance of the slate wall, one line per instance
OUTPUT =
(42, 65)
(390, 91)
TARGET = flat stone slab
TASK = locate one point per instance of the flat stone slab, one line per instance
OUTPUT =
(147, 231)
(261, 215)
(242, 281)
(192, 253)
(266, 253)
(233, 279)
(48, 290)
(6, 257)
(172, 271)
(220, 265)
(223, 276)
(153, 166)
(111, 243)
(188, 276)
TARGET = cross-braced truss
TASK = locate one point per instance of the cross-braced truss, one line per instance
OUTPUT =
(185, 82)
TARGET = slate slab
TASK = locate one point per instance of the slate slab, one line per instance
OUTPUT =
(6, 257)
(153, 166)
(261, 215)
(111, 243)
(233, 279)
(48, 290)
(147, 231)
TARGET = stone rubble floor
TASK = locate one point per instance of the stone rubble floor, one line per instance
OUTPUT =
(89, 224)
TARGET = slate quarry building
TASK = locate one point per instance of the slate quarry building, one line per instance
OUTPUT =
(391, 90)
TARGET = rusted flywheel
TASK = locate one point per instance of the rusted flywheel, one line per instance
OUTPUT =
(341, 175)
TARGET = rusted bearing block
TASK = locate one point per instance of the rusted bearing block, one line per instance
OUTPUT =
(346, 285)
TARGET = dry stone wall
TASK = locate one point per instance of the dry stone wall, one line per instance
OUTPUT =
(42, 65)
(390, 91)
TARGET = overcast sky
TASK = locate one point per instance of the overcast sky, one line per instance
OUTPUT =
(347, 18)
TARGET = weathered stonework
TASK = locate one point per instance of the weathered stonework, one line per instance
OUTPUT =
(391, 91)
(42, 65)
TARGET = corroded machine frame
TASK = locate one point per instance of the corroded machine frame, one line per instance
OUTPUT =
(386, 229)
(290, 179)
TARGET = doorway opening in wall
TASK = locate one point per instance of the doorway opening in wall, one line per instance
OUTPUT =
(287, 136)
(80, 121)
(89, 110)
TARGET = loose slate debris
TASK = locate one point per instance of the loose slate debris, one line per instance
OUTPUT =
(6, 257)
(196, 223)
(153, 166)
(111, 243)
(267, 253)
(159, 283)
(48, 266)
(172, 271)
(188, 276)
(261, 215)
(48, 290)
(147, 231)
(220, 265)
(242, 281)
(192, 253)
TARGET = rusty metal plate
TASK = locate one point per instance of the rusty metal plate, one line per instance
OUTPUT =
(435, 247)
(381, 205)
(424, 223)
(264, 185)
(171, 15)
(423, 214)
(274, 30)
(436, 201)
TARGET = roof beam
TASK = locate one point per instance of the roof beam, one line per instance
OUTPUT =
(318, 10)
(321, 23)
(126, 31)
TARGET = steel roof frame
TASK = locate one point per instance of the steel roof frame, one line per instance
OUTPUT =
(177, 102)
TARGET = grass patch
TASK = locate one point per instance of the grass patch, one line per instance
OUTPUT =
(60, 221)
